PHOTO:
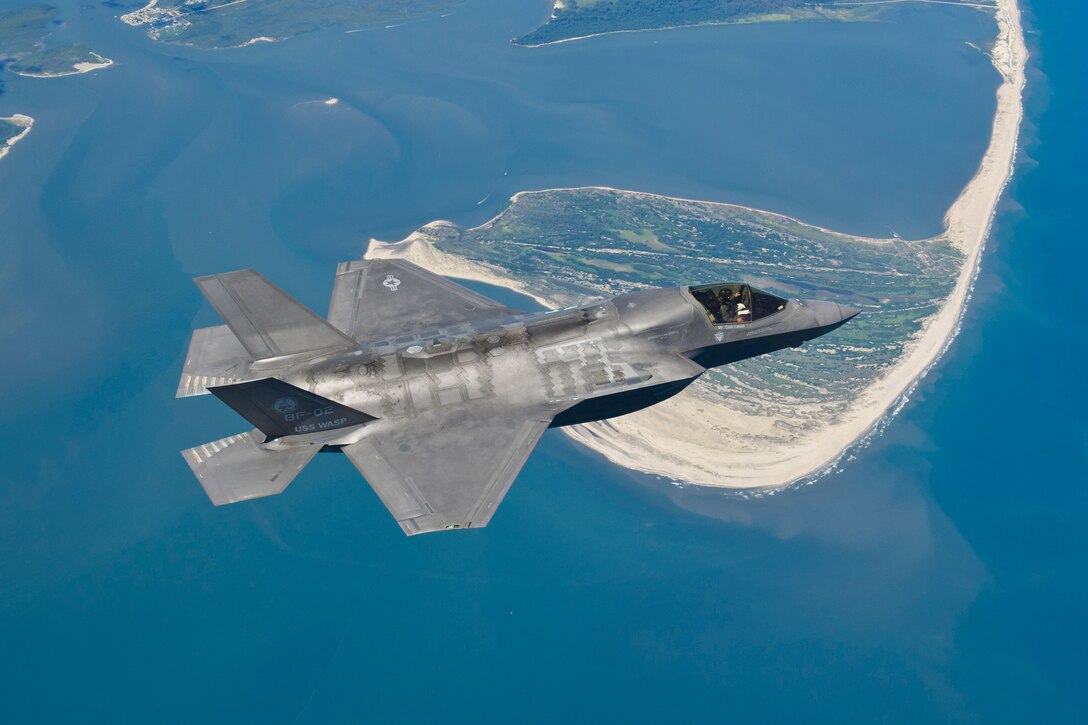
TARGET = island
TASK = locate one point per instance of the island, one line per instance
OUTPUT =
(26, 47)
(13, 129)
(578, 19)
(777, 419)
(218, 24)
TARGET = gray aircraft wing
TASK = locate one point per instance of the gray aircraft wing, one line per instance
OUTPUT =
(446, 472)
(215, 357)
(373, 299)
(267, 321)
(236, 468)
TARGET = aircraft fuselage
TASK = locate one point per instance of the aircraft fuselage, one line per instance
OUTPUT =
(576, 364)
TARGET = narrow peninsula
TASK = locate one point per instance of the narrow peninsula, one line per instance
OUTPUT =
(789, 416)
(580, 19)
(13, 129)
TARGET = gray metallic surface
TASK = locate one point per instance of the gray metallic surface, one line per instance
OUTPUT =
(238, 468)
(461, 388)
(448, 470)
(413, 299)
(268, 322)
(215, 357)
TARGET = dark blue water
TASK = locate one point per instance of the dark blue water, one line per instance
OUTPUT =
(940, 576)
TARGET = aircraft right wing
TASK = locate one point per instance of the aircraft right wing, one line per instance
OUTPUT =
(373, 299)
(446, 472)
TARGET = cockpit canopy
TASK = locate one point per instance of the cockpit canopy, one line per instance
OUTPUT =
(728, 304)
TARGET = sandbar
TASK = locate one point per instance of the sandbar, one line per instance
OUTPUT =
(18, 119)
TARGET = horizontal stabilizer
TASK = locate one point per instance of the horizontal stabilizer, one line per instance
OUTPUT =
(236, 468)
(279, 409)
(215, 357)
(267, 321)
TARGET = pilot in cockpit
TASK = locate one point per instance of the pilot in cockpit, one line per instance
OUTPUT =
(733, 306)
(710, 303)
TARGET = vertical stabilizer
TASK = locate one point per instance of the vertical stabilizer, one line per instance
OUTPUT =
(280, 409)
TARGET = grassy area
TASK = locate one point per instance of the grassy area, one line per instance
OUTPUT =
(234, 23)
(579, 18)
(578, 243)
(644, 237)
(59, 61)
(26, 47)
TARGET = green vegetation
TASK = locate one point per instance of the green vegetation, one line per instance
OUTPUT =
(576, 243)
(25, 46)
(61, 61)
(579, 18)
(234, 23)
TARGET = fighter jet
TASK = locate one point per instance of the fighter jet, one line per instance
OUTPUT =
(437, 394)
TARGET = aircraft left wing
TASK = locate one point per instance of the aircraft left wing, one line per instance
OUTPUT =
(446, 472)
(374, 299)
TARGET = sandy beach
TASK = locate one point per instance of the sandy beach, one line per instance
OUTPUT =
(77, 68)
(419, 247)
(670, 440)
(259, 39)
(26, 122)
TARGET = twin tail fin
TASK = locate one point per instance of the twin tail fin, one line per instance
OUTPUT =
(264, 324)
(280, 409)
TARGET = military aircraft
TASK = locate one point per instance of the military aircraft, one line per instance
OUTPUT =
(438, 394)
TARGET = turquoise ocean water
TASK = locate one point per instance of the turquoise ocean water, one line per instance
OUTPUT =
(938, 576)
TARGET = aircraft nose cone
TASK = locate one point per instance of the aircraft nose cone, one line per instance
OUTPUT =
(830, 314)
(847, 313)
(825, 313)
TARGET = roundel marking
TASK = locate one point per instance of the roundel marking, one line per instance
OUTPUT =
(284, 405)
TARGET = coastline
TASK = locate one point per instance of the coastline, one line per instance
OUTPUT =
(967, 225)
(17, 119)
(77, 68)
(665, 442)
(419, 248)
(644, 194)
(795, 16)
(816, 16)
